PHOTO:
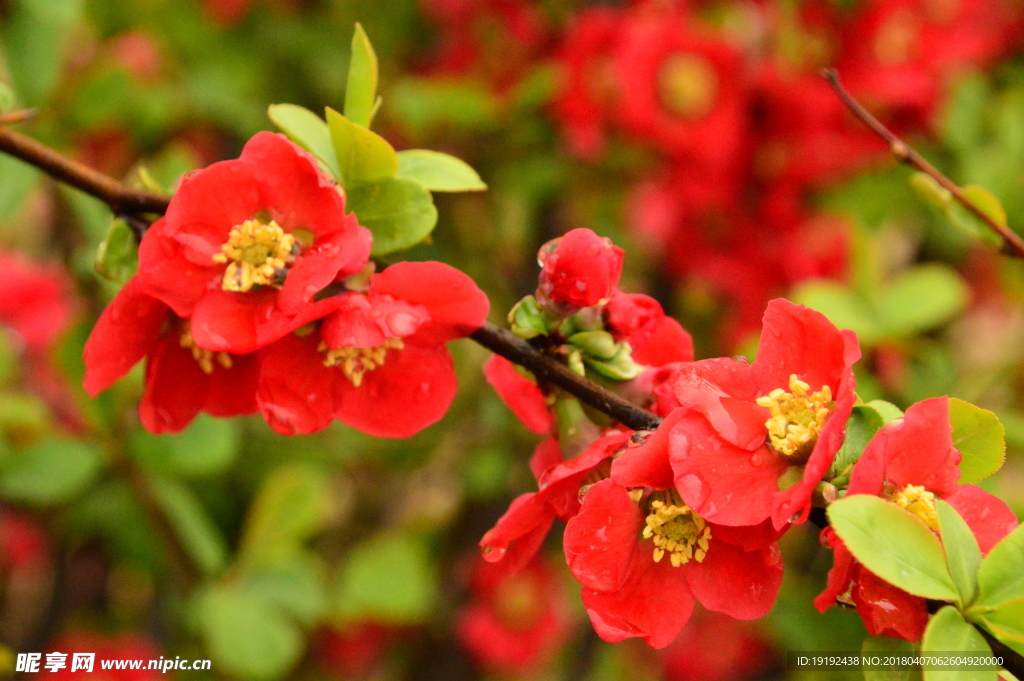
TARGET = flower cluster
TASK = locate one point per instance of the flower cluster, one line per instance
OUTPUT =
(691, 512)
(252, 295)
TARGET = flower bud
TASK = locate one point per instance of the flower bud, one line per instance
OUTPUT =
(580, 269)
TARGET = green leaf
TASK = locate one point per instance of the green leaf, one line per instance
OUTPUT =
(921, 298)
(117, 257)
(8, 100)
(298, 587)
(361, 89)
(888, 410)
(19, 178)
(963, 556)
(247, 634)
(528, 321)
(894, 544)
(969, 223)
(981, 439)
(207, 447)
(1000, 577)
(931, 191)
(294, 504)
(32, 35)
(389, 578)
(885, 646)
(1006, 623)
(400, 213)
(948, 632)
(49, 472)
(862, 425)
(363, 155)
(198, 534)
(841, 305)
(438, 172)
(307, 130)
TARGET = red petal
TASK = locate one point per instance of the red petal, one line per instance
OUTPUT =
(338, 254)
(724, 484)
(295, 388)
(748, 537)
(519, 393)
(724, 391)
(654, 603)
(240, 323)
(841, 573)
(649, 464)
(176, 387)
(412, 390)
(518, 534)
(456, 304)
(545, 455)
(233, 391)
(124, 334)
(601, 540)
(801, 341)
(886, 610)
(919, 448)
(663, 342)
(165, 273)
(988, 516)
(741, 584)
(560, 484)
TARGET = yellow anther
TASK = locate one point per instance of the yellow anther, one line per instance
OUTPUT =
(796, 418)
(675, 529)
(205, 358)
(918, 501)
(258, 254)
(355, 362)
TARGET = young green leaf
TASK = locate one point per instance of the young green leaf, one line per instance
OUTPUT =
(921, 298)
(438, 172)
(361, 90)
(931, 191)
(363, 155)
(888, 410)
(948, 632)
(1007, 624)
(981, 439)
(894, 544)
(306, 129)
(841, 305)
(963, 556)
(400, 213)
(1000, 577)
(117, 256)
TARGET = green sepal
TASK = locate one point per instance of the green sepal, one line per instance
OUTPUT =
(619, 367)
(595, 344)
(117, 256)
(528, 320)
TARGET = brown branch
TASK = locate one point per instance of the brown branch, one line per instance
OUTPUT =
(503, 342)
(121, 198)
(19, 116)
(125, 200)
(1013, 244)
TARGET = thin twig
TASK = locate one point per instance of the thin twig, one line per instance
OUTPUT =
(121, 198)
(1013, 244)
(19, 116)
(129, 202)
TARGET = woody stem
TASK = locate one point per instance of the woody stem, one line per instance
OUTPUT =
(133, 203)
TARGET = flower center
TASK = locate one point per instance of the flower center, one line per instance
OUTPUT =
(355, 362)
(258, 254)
(796, 418)
(918, 501)
(688, 86)
(204, 358)
(896, 41)
(676, 530)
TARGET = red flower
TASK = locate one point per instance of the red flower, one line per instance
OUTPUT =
(23, 543)
(643, 556)
(910, 462)
(379, 362)
(355, 650)
(246, 244)
(36, 302)
(714, 646)
(126, 646)
(515, 623)
(683, 89)
(740, 428)
(518, 534)
(579, 269)
(182, 379)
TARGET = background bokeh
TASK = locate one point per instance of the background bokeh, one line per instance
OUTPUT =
(698, 135)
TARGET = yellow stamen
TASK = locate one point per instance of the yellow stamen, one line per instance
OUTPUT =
(258, 254)
(355, 362)
(688, 85)
(796, 418)
(918, 501)
(204, 358)
(675, 529)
